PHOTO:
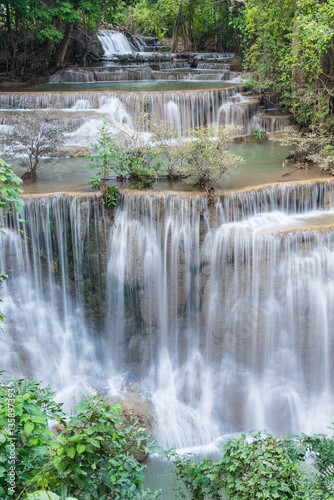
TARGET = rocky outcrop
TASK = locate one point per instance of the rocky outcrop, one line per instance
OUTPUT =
(80, 40)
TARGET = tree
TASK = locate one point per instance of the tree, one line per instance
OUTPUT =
(37, 33)
(34, 137)
(291, 51)
(202, 24)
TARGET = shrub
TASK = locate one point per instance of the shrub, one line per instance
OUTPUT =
(251, 468)
(315, 146)
(259, 134)
(92, 457)
(206, 157)
(125, 154)
(9, 188)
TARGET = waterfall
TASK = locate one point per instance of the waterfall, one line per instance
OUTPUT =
(102, 74)
(49, 332)
(185, 109)
(114, 42)
(222, 314)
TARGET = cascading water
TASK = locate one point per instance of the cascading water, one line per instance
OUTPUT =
(185, 110)
(222, 316)
(114, 42)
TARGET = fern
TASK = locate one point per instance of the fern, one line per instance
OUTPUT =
(328, 478)
(320, 484)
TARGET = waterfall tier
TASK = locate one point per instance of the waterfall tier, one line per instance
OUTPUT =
(114, 42)
(184, 109)
(222, 318)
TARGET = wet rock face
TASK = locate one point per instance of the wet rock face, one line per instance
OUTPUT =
(79, 43)
(139, 411)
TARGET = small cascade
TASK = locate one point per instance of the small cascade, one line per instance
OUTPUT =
(114, 42)
(173, 115)
(270, 122)
(238, 111)
(140, 42)
(221, 316)
(294, 199)
(215, 66)
(170, 65)
(102, 74)
(184, 75)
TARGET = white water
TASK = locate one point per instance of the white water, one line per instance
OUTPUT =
(223, 320)
(114, 42)
(194, 108)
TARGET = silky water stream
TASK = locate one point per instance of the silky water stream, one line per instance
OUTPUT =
(219, 316)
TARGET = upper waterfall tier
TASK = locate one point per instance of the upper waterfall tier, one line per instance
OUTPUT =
(114, 42)
(222, 319)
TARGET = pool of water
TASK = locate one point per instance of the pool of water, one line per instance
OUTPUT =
(263, 164)
(126, 86)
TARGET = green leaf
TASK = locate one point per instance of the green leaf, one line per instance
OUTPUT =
(70, 452)
(81, 448)
(28, 428)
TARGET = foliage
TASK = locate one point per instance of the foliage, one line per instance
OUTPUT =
(91, 458)
(258, 134)
(24, 422)
(315, 146)
(34, 136)
(35, 33)
(111, 197)
(206, 157)
(9, 189)
(262, 466)
(252, 468)
(204, 23)
(261, 469)
(290, 49)
(125, 154)
(9, 198)
(103, 157)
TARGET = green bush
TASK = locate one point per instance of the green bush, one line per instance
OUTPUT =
(259, 134)
(91, 458)
(252, 468)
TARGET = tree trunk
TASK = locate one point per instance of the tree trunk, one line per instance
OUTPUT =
(11, 40)
(48, 54)
(89, 44)
(61, 52)
(190, 37)
(176, 28)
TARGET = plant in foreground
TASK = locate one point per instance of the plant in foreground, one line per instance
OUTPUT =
(253, 467)
(91, 458)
